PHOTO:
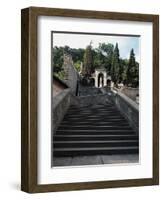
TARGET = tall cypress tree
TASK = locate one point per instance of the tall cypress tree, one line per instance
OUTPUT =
(136, 79)
(115, 65)
(132, 71)
(121, 70)
(88, 61)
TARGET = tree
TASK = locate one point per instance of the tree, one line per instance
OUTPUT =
(57, 57)
(88, 61)
(98, 58)
(133, 70)
(121, 76)
(77, 54)
(104, 56)
(77, 65)
(115, 68)
(136, 78)
(107, 50)
(123, 71)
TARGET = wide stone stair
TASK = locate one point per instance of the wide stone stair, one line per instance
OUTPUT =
(85, 91)
(92, 130)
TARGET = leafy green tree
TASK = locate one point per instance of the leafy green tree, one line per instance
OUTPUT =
(67, 49)
(107, 50)
(98, 58)
(115, 67)
(77, 54)
(105, 55)
(57, 57)
(77, 65)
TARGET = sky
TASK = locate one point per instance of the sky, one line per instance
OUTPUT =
(125, 43)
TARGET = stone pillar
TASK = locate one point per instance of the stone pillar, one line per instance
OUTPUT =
(105, 79)
(96, 79)
(112, 84)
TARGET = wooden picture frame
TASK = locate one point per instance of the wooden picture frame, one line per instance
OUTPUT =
(29, 97)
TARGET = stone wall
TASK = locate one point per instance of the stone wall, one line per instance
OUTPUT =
(57, 86)
(60, 105)
(131, 92)
(125, 105)
(128, 108)
(71, 74)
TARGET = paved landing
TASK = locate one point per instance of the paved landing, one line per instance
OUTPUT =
(95, 160)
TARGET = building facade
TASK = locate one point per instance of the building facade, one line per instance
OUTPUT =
(101, 78)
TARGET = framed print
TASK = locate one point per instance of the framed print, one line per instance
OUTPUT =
(90, 99)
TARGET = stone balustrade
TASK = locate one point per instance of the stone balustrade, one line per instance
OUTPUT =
(127, 106)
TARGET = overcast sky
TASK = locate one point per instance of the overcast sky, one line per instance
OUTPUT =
(125, 43)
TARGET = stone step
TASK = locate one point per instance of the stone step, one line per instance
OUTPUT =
(94, 115)
(100, 118)
(95, 143)
(93, 111)
(96, 118)
(99, 123)
(93, 127)
(94, 151)
(92, 106)
(94, 132)
(82, 137)
(89, 107)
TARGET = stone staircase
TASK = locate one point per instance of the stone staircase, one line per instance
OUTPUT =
(92, 130)
(85, 91)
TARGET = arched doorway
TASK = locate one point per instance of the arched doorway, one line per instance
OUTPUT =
(100, 80)
(92, 82)
(109, 83)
